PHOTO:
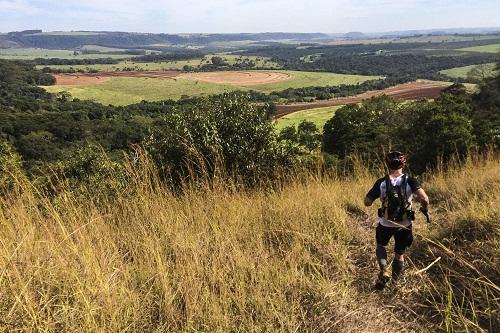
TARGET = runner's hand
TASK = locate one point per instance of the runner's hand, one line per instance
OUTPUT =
(425, 211)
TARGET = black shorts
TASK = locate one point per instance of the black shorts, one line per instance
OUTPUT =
(403, 237)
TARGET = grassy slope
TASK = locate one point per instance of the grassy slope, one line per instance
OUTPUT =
(492, 48)
(124, 91)
(461, 72)
(318, 116)
(131, 90)
(295, 260)
(32, 53)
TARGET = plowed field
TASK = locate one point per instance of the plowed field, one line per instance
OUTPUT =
(407, 91)
(238, 78)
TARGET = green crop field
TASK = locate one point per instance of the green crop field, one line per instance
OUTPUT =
(462, 72)
(260, 62)
(318, 116)
(32, 53)
(492, 48)
(125, 90)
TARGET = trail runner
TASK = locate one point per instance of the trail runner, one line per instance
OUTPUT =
(396, 191)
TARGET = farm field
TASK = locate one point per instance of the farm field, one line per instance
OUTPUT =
(318, 116)
(33, 53)
(407, 91)
(129, 90)
(101, 48)
(462, 72)
(492, 48)
(231, 59)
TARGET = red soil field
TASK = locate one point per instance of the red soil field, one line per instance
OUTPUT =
(406, 91)
(238, 78)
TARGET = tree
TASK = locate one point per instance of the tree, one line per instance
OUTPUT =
(218, 61)
(308, 135)
(438, 129)
(367, 128)
(486, 112)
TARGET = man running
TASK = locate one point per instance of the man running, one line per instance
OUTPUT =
(396, 191)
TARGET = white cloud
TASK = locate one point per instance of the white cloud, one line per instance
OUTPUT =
(247, 16)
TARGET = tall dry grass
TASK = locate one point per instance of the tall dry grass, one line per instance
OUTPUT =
(215, 259)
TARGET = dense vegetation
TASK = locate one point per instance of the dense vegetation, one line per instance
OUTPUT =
(46, 128)
(392, 59)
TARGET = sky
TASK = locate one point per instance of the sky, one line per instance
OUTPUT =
(223, 16)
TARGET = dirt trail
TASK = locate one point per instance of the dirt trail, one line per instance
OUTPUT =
(412, 90)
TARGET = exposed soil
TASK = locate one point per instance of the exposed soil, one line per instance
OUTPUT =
(238, 78)
(78, 80)
(94, 78)
(412, 90)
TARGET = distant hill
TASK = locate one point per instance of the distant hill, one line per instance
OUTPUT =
(75, 39)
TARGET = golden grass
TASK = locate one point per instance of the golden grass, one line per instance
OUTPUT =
(215, 259)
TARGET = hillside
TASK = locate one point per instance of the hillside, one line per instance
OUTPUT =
(299, 259)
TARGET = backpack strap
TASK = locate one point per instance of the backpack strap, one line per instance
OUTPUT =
(388, 185)
(404, 185)
(388, 191)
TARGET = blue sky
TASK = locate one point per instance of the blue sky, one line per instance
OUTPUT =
(175, 16)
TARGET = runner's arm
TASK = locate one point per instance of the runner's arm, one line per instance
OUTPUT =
(374, 193)
(368, 202)
(422, 198)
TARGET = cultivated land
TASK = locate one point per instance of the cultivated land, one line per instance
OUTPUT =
(33, 53)
(128, 90)
(318, 116)
(407, 91)
(491, 48)
(462, 72)
(260, 62)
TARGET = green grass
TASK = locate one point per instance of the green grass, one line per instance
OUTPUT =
(123, 91)
(102, 48)
(492, 48)
(32, 53)
(318, 116)
(462, 72)
(260, 62)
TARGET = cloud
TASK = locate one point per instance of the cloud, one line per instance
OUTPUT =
(246, 16)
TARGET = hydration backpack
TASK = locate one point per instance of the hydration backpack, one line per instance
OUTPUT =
(395, 206)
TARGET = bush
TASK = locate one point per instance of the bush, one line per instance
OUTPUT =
(10, 167)
(224, 134)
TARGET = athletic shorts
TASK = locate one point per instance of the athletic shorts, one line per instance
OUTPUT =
(403, 237)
